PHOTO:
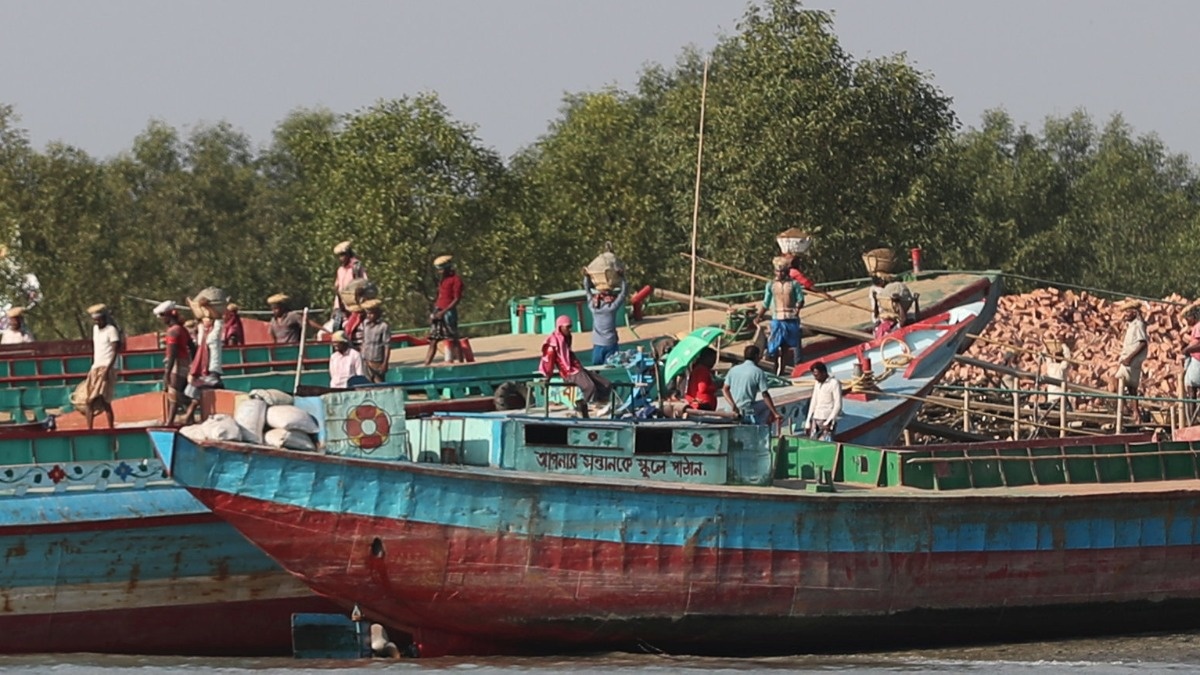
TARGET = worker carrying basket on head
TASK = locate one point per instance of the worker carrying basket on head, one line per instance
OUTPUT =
(889, 295)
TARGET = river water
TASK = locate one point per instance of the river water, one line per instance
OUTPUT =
(1177, 652)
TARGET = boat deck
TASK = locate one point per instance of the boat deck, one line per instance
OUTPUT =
(854, 314)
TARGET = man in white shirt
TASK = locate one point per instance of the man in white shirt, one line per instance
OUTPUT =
(345, 362)
(825, 406)
(16, 332)
(1134, 348)
(95, 394)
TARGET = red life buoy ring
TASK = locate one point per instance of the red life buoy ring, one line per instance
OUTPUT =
(368, 426)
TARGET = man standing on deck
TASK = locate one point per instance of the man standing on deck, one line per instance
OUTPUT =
(376, 341)
(743, 383)
(443, 322)
(177, 357)
(349, 269)
(1133, 354)
(605, 307)
(94, 395)
(285, 326)
(825, 406)
(783, 299)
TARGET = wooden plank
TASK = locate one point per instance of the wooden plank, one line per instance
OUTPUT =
(946, 432)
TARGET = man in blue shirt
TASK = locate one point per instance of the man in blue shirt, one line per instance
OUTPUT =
(743, 383)
(605, 307)
(783, 299)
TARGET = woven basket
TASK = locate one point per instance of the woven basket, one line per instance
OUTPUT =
(606, 270)
(880, 260)
(793, 242)
(357, 291)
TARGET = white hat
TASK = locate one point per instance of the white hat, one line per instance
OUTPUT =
(342, 248)
(164, 307)
(339, 336)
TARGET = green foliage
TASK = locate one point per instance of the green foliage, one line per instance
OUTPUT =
(798, 133)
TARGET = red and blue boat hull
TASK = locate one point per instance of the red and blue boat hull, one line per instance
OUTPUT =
(474, 561)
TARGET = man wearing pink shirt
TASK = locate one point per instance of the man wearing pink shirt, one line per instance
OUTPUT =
(349, 269)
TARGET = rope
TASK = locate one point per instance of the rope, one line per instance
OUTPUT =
(867, 382)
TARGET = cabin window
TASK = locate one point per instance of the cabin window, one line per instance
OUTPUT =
(545, 434)
(647, 441)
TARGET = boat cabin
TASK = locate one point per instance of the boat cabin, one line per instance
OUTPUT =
(371, 424)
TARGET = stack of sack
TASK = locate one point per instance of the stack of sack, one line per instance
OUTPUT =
(265, 417)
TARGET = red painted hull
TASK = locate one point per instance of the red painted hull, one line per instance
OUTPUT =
(254, 628)
(468, 591)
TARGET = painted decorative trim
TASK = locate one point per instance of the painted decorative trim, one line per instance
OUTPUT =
(18, 480)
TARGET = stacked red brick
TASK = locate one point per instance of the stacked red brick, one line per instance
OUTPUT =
(1091, 325)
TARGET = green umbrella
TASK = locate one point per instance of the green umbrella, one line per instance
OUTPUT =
(683, 354)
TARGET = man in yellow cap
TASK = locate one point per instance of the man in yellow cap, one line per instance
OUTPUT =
(376, 341)
(443, 323)
(16, 332)
(349, 269)
(285, 326)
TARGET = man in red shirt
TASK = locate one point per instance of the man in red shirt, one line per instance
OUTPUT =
(178, 355)
(443, 323)
(701, 390)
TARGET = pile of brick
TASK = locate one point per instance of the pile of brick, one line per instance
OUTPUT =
(1092, 328)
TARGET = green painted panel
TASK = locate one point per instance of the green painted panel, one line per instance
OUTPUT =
(1049, 471)
(16, 451)
(78, 365)
(135, 447)
(1146, 466)
(952, 475)
(803, 457)
(1180, 467)
(593, 438)
(93, 448)
(860, 465)
(985, 472)
(697, 441)
(1019, 469)
(24, 368)
(52, 449)
(1109, 469)
(1081, 466)
(52, 367)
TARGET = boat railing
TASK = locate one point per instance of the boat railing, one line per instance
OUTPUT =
(1002, 464)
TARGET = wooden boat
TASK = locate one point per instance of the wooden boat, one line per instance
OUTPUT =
(31, 387)
(903, 368)
(106, 554)
(481, 535)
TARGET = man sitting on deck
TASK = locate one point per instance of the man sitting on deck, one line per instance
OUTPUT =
(889, 293)
(743, 383)
(557, 355)
(783, 299)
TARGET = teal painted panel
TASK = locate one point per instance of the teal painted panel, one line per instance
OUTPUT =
(93, 448)
(593, 438)
(698, 441)
(52, 449)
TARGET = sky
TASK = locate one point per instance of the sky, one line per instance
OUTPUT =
(93, 74)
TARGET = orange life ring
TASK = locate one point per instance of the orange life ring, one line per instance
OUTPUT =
(368, 426)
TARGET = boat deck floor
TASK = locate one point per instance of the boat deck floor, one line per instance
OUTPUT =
(853, 314)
